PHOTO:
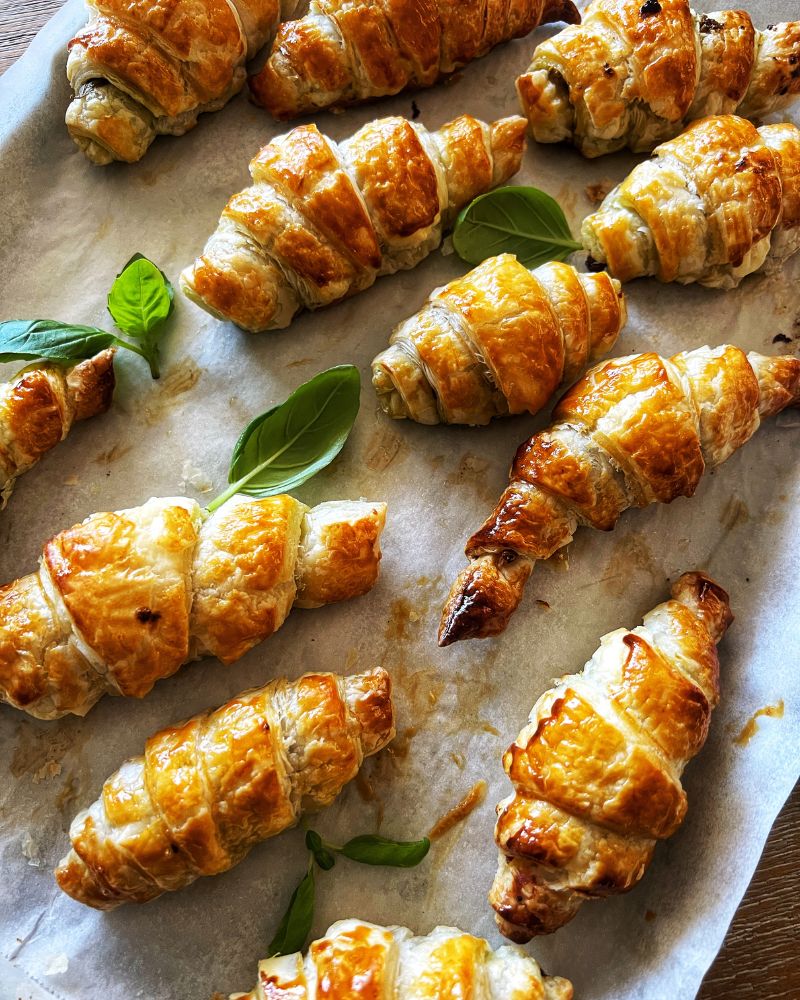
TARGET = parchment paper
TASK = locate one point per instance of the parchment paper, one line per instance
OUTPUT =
(67, 229)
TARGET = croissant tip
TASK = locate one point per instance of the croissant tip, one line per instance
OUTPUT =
(561, 10)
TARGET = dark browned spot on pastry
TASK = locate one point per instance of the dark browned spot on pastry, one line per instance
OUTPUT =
(594, 265)
(175, 848)
(650, 7)
(608, 70)
(146, 616)
(781, 338)
(708, 24)
(743, 164)
(509, 556)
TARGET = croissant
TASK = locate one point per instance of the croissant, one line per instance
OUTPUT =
(139, 68)
(596, 770)
(497, 341)
(633, 73)
(209, 789)
(714, 205)
(443, 965)
(40, 405)
(323, 220)
(125, 598)
(631, 432)
(341, 53)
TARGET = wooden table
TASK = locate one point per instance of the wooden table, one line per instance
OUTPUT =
(760, 958)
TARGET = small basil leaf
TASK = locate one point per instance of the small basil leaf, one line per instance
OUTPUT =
(322, 855)
(373, 850)
(140, 299)
(288, 444)
(30, 339)
(520, 220)
(295, 926)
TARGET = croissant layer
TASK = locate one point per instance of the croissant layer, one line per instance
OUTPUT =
(209, 789)
(633, 74)
(323, 220)
(125, 598)
(442, 965)
(633, 431)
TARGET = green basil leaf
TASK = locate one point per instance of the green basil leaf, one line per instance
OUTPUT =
(30, 339)
(295, 926)
(140, 299)
(288, 444)
(319, 849)
(520, 220)
(374, 850)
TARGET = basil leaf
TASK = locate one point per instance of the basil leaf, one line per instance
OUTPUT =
(295, 926)
(374, 850)
(520, 220)
(288, 444)
(319, 849)
(29, 339)
(140, 299)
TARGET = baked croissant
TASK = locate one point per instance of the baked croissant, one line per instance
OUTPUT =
(714, 205)
(596, 770)
(39, 406)
(343, 52)
(126, 598)
(634, 73)
(444, 965)
(139, 68)
(633, 431)
(209, 789)
(497, 341)
(324, 219)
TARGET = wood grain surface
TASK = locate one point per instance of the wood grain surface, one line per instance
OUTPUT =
(760, 959)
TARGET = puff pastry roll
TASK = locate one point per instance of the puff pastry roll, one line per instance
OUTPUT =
(124, 599)
(345, 51)
(323, 220)
(634, 73)
(209, 789)
(633, 431)
(714, 205)
(39, 406)
(596, 772)
(498, 341)
(443, 965)
(141, 68)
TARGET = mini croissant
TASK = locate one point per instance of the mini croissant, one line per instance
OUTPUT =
(596, 772)
(498, 341)
(126, 598)
(208, 790)
(446, 964)
(714, 205)
(323, 220)
(631, 432)
(634, 73)
(342, 53)
(139, 68)
(40, 405)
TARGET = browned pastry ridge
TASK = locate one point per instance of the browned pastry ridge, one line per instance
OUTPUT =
(631, 432)
(498, 341)
(714, 205)
(208, 790)
(634, 74)
(125, 598)
(141, 68)
(596, 771)
(342, 52)
(39, 406)
(359, 959)
(323, 220)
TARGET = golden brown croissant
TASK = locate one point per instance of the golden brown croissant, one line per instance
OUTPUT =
(596, 770)
(446, 964)
(324, 219)
(125, 598)
(40, 405)
(208, 790)
(345, 51)
(634, 73)
(498, 341)
(714, 205)
(141, 68)
(631, 432)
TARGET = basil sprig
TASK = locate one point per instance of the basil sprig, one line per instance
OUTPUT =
(288, 444)
(140, 299)
(367, 849)
(523, 221)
